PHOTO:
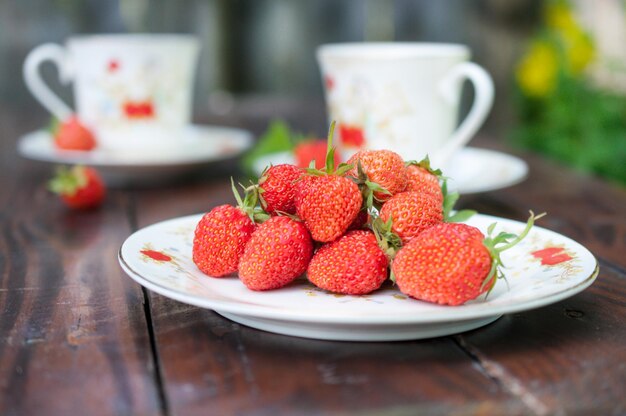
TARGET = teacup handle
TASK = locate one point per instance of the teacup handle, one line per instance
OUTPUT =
(58, 55)
(483, 100)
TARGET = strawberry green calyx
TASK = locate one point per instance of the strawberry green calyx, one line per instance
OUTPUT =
(249, 203)
(53, 126)
(449, 200)
(368, 188)
(329, 167)
(425, 164)
(388, 241)
(68, 181)
(502, 242)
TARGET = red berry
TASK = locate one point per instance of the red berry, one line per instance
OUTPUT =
(422, 180)
(220, 239)
(411, 213)
(277, 188)
(383, 167)
(452, 263)
(79, 187)
(446, 264)
(71, 134)
(328, 205)
(278, 252)
(353, 264)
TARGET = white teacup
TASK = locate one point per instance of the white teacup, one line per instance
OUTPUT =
(134, 91)
(403, 97)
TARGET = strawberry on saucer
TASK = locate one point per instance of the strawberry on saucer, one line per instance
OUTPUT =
(71, 134)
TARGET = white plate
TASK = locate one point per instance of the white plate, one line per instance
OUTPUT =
(159, 258)
(197, 146)
(470, 170)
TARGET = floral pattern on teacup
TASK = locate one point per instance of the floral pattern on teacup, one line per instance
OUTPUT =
(366, 113)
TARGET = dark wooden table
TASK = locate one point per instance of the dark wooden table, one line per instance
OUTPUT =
(78, 337)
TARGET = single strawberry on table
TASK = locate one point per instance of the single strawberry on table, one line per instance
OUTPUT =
(452, 263)
(221, 235)
(277, 188)
(328, 202)
(277, 253)
(80, 187)
(353, 264)
(71, 134)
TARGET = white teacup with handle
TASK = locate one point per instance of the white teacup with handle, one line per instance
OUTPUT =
(403, 97)
(134, 91)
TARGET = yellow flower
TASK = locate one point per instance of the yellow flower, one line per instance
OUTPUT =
(559, 16)
(577, 45)
(537, 72)
(579, 51)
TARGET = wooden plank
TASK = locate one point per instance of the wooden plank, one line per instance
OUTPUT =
(566, 358)
(73, 334)
(212, 364)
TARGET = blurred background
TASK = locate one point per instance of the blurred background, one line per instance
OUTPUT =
(559, 66)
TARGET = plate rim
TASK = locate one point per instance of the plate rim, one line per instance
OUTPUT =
(520, 163)
(86, 158)
(459, 313)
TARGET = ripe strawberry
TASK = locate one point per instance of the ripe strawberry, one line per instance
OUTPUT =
(421, 177)
(353, 264)
(382, 167)
(309, 150)
(79, 187)
(452, 263)
(277, 188)
(278, 252)
(221, 235)
(329, 202)
(411, 213)
(328, 206)
(71, 134)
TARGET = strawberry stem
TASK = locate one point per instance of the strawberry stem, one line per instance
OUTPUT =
(524, 233)
(425, 164)
(249, 203)
(503, 241)
(330, 150)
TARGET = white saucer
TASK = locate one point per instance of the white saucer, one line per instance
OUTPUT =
(544, 268)
(473, 170)
(197, 146)
(470, 170)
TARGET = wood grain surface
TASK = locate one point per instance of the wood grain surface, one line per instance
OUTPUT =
(79, 337)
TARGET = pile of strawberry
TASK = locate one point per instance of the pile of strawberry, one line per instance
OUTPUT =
(350, 229)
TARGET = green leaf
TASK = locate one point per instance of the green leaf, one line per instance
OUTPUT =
(342, 169)
(449, 200)
(53, 126)
(461, 216)
(277, 138)
(67, 181)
